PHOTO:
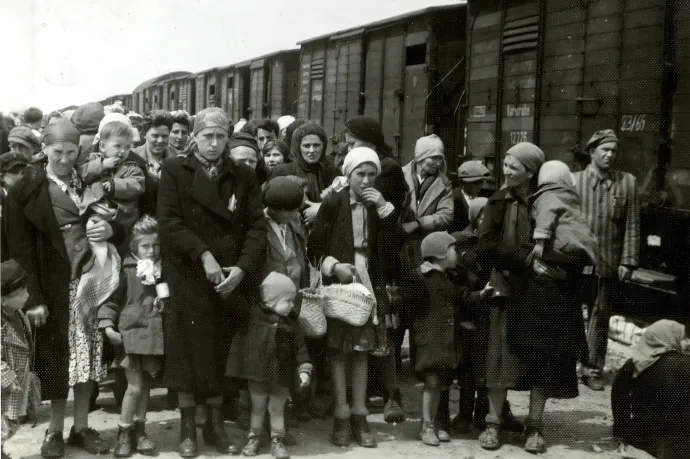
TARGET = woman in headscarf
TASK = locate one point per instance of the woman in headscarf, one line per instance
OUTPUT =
(309, 143)
(355, 235)
(364, 131)
(535, 321)
(649, 397)
(213, 238)
(57, 246)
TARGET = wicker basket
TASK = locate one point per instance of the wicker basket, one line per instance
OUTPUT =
(311, 317)
(351, 303)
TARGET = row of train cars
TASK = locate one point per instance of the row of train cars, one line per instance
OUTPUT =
(484, 75)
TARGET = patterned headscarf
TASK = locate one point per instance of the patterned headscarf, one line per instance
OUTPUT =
(212, 117)
(61, 131)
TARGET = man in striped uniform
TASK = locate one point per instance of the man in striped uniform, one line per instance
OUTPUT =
(610, 204)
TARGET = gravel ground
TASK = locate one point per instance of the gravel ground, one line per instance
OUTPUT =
(576, 429)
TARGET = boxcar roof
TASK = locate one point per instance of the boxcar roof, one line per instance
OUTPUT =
(158, 79)
(389, 21)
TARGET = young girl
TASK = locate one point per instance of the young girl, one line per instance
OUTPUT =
(437, 297)
(266, 354)
(135, 311)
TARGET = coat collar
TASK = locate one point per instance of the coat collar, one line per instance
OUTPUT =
(437, 189)
(204, 191)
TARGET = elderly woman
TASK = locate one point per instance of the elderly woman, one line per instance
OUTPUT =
(535, 324)
(355, 234)
(244, 149)
(213, 237)
(649, 397)
(53, 243)
(309, 143)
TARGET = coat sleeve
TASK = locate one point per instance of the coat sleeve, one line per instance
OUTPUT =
(492, 250)
(318, 244)
(443, 217)
(620, 400)
(92, 169)
(129, 182)
(545, 210)
(9, 377)
(254, 246)
(22, 242)
(176, 238)
(631, 239)
(109, 312)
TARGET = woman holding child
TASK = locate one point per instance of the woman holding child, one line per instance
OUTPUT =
(534, 324)
(60, 247)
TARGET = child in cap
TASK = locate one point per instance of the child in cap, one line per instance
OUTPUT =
(132, 319)
(112, 175)
(21, 392)
(437, 297)
(560, 227)
(266, 353)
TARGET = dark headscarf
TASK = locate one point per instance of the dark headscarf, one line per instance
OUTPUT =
(314, 172)
(369, 130)
(241, 139)
(61, 131)
(290, 130)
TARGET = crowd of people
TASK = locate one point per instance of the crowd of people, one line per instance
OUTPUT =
(192, 254)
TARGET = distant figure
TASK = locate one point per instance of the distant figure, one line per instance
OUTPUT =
(33, 117)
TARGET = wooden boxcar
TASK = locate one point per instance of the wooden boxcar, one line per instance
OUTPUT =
(149, 95)
(554, 71)
(405, 71)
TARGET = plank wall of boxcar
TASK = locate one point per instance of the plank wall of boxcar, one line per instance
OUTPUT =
(291, 91)
(276, 87)
(679, 167)
(213, 89)
(484, 31)
(258, 88)
(373, 77)
(304, 105)
(392, 86)
(200, 91)
(415, 88)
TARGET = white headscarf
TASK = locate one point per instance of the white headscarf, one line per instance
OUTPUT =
(358, 156)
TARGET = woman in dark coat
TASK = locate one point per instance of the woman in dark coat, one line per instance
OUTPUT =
(309, 143)
(533, 334)
(356, 232)
(213, 238)
(364, 131)
(51, 241)
(649, 397)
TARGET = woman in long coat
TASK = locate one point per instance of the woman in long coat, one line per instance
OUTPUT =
(213, 238)
(356, 232)
(51, 241)
(534, 332)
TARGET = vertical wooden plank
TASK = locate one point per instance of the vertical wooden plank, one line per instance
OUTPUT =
(392, 74)
(304, 82)
(374, 71)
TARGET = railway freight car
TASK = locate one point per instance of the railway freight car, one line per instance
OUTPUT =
(405, 71)
(149, 95)
(554, 71)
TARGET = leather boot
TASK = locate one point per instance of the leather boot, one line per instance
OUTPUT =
(188, 446)
(214, 432)
(143, 443)
(125, 442)
(361, 433)
(342, 433)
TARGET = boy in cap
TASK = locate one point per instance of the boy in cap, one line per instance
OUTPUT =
(23, 141)
(20, 390)
(472, 175)
(437, 297)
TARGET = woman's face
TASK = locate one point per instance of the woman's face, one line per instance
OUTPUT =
(178, 136)
(354, 142)
(430, 166)
(311, 148)
(515, 172)
(274, 158)
(362, 178)
(245, 155)
(61, 157)
(211, 142)
(157, 139)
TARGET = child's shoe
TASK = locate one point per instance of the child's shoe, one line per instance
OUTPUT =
(188, 446)
(361, 432)
(53, 445)
(428, 435)
(534, 442)
(342, 433)
(252, 447)
(88, 439)
(490, 438)
(278, 449)
(144, 445)
(126, 442)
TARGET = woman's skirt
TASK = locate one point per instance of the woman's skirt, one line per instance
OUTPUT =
(85, 345)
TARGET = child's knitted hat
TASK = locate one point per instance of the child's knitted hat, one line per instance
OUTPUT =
(274, 287)
(555, 172)
(436, 244)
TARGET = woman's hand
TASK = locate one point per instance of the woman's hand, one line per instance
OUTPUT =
(374, 197)
(114, 337)
(304, 379)
(345, 272)
(537, 252)
(235, 276)
(214, 272)
(38, 315)
(309, 212)
(410, 227)
(100, 231)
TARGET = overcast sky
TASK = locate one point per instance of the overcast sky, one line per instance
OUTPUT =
(68, 52)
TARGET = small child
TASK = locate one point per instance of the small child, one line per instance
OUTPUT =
(132, 319)
(437, 297)
(266, 354)
(559, 225)
(20, 386)
(112, 175)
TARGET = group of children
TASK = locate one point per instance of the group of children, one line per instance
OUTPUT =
(270, 350)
